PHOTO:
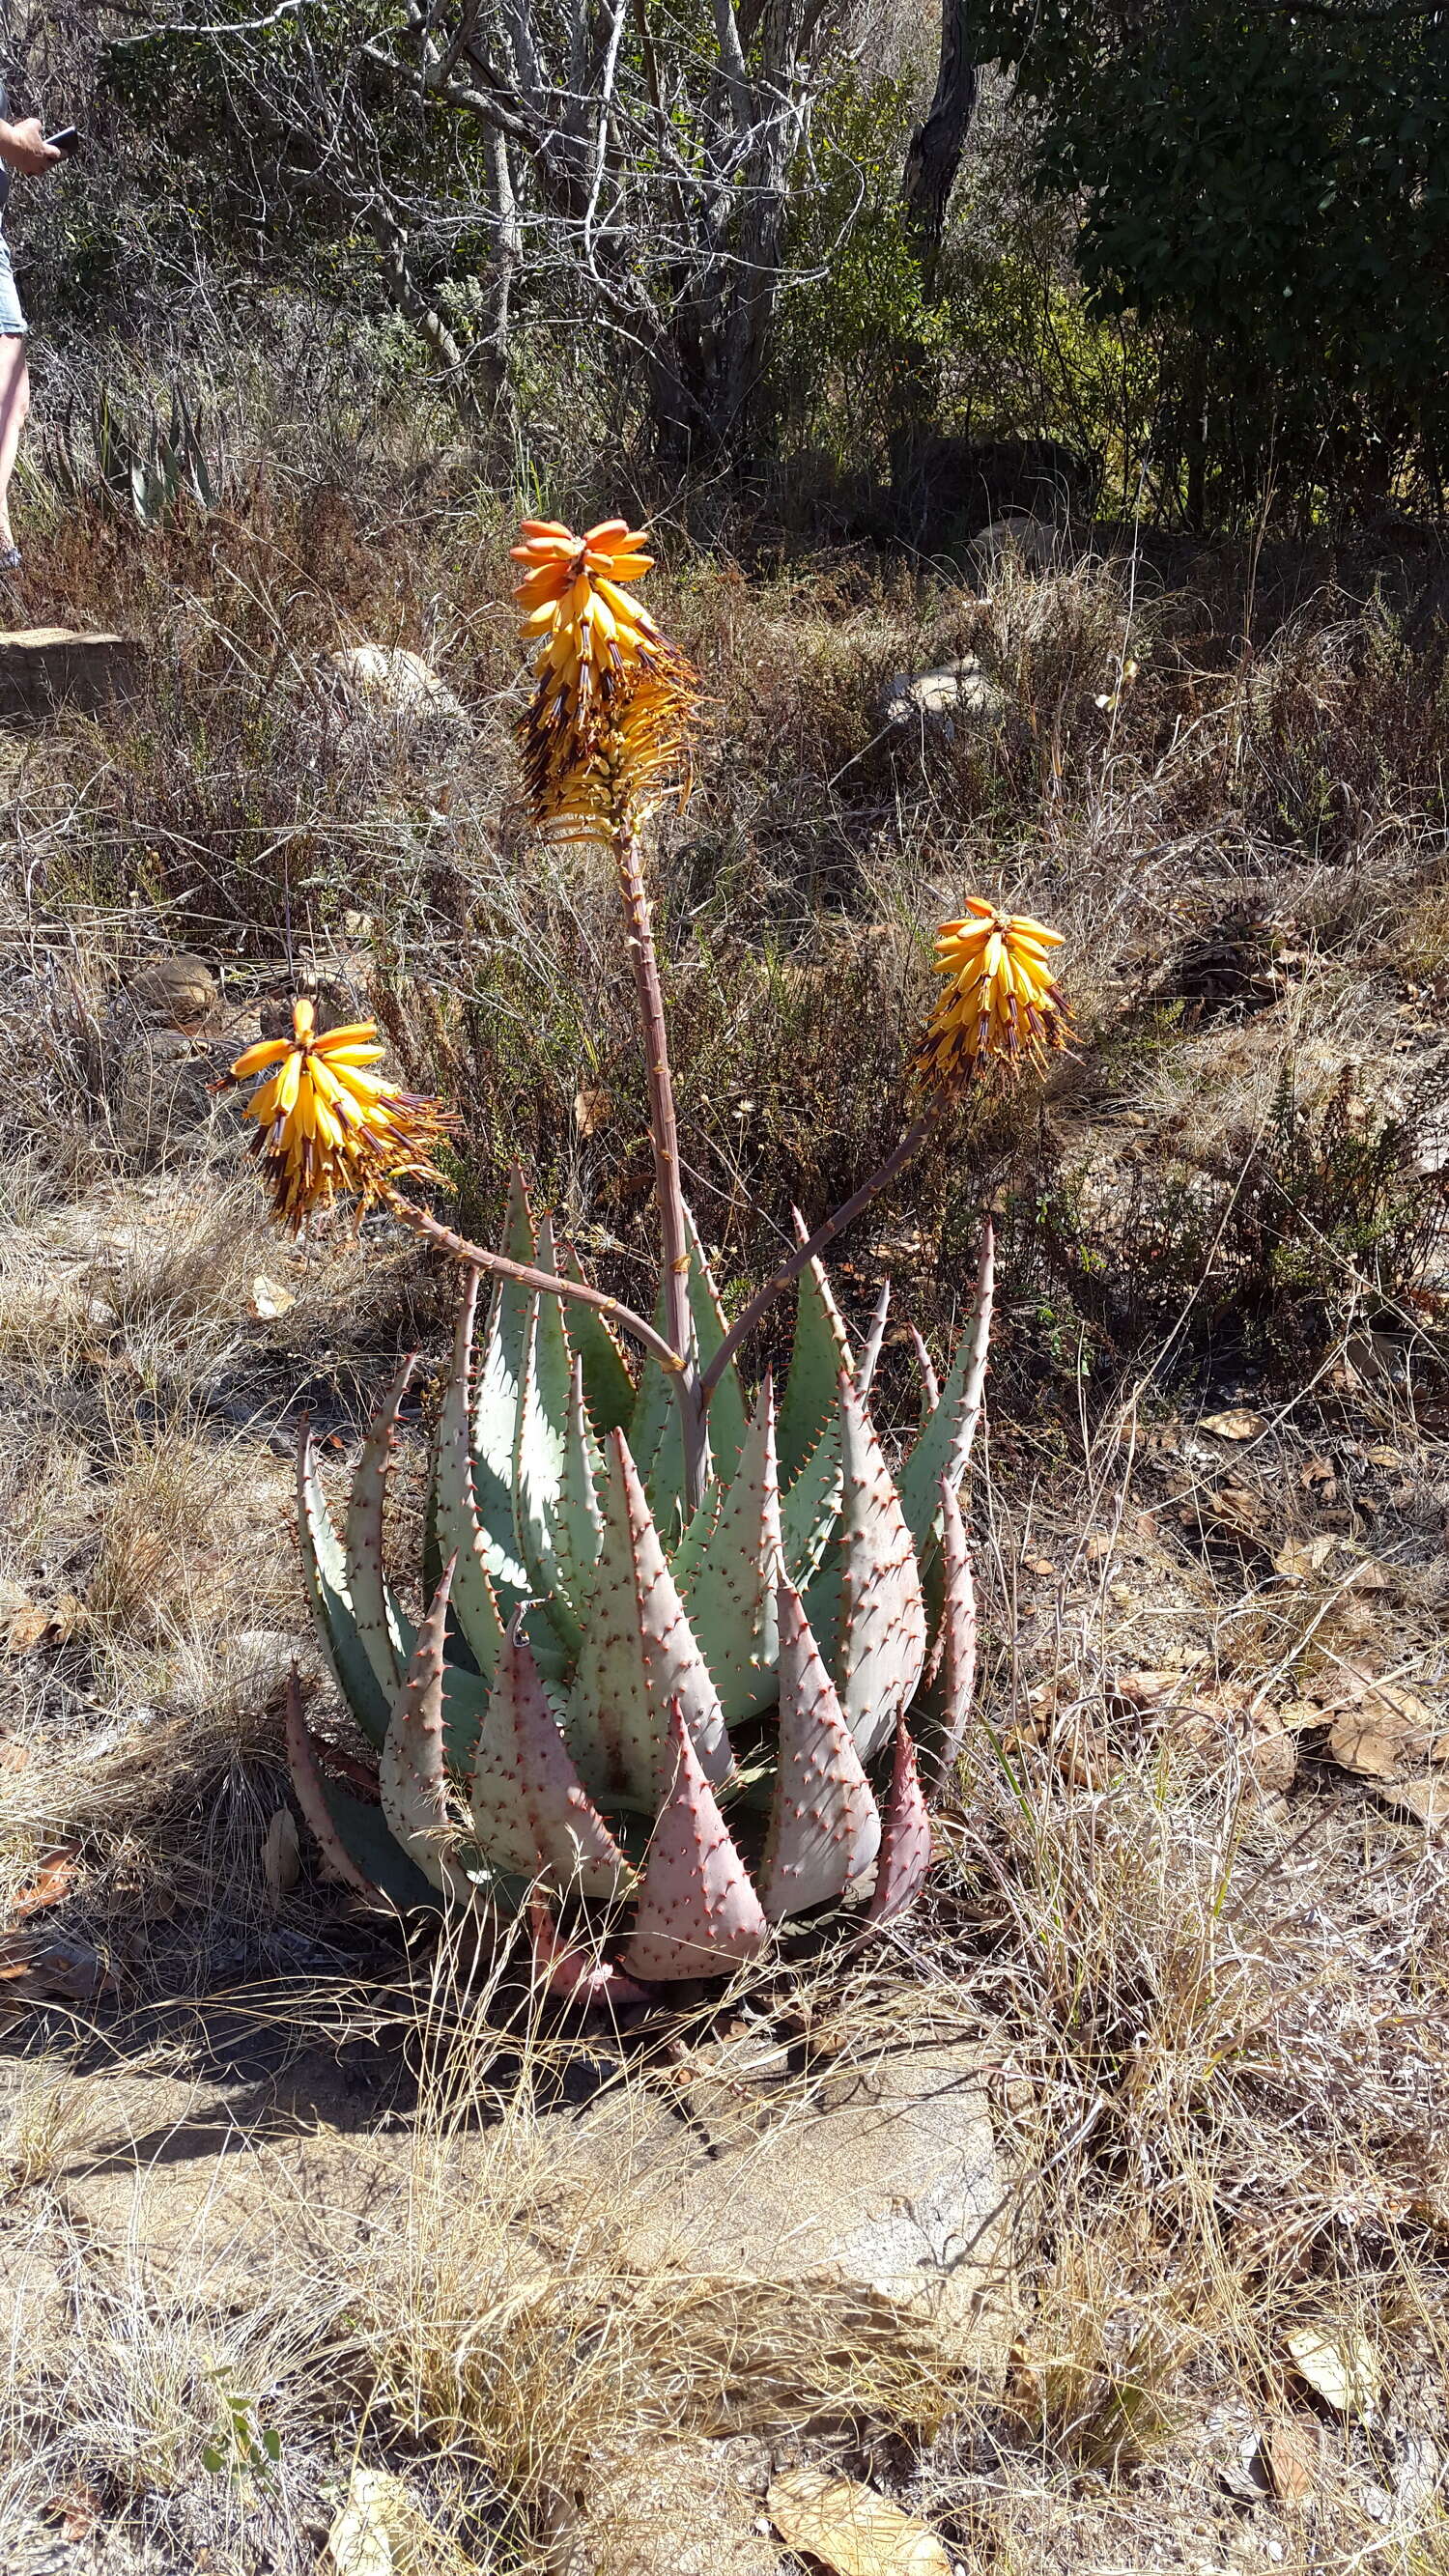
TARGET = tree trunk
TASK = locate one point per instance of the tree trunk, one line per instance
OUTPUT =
(937, 145)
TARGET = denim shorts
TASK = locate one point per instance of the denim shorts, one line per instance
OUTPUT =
(12, 320)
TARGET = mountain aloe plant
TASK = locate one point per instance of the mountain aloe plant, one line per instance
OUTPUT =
(679, 1638)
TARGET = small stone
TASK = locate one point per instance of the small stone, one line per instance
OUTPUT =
(388, 680)
(958, 692)
(173, 992)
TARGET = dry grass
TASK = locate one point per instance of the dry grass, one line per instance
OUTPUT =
(1209, 1980)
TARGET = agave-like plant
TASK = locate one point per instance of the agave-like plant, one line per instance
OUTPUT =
(680, 1640)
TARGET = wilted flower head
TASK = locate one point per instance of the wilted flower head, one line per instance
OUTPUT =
(1001, 1004)
(606, 736)
(326, 1126)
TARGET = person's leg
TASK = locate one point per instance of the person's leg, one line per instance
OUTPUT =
(14, 412)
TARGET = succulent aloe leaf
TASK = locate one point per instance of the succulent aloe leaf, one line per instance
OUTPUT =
(811, 1507)
(868, 1601)
(824, 1827)
(905, 1842)
(356, 1845)
(639, 1654)
(488, 1564)
(955, 1648)
(821, 1350)
(874, 1340)
(943, 1443)
(730, 1593)
(696, 1913)
(608, 1387)
(497, 1397)
(386, 1635)
(529, 1805)
(541, 1432)
(325, 1575)
(578, 1527)
(655, 1434)
(412, 1776)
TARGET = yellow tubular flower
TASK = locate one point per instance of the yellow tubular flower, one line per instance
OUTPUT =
(326, 1126)
(606, 736)
(1001, 1004)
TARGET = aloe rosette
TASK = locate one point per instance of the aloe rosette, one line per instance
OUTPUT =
(679, 1729)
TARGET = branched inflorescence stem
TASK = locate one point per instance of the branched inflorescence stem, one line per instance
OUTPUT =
(500, 1264)
(916, 1135)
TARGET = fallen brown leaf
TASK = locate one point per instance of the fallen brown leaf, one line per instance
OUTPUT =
(1235, 1423)
(1292, 2458)
(850, 2528)
(1427, 1799)
(54, 1881)
(1304, 1557)
(38, 1971)
(269, 1299)
(592, 1109)
(78, 2511)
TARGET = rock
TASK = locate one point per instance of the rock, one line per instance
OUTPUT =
(1036, 542)
(679, 2511)
(959, 691)
(880, 2180)
(44, 668)
(388, 680)
(173, 992)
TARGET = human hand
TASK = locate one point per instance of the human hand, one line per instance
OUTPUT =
(25, 148)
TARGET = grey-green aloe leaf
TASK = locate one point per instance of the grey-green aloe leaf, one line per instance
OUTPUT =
(730, 1589)
(324, 1573)
(387, 1636)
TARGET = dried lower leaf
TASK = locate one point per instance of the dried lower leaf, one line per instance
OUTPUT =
(850, 2528)
(281, 1853)
(1342, 2368)
(1236, 1423)
(1376, 1742)
(78, 2510)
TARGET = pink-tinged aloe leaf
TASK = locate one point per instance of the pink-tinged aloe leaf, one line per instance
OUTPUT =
(729, 1591)
(573, 1975)
(821, 1350)
(541, 1436)
(905, 1842)
(324, 1572)
(388, 1638)
(696, 1913)
(639, 1653)
(411, 1776)
(487, 1559)
(530, 1808)
(943, 1443)
(608, 1387)
(824, 1827)
(868, 1603)
(351, 1832)
(954, 1653)
(312, 1796)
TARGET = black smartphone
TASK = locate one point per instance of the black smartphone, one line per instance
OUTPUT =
(67, 141)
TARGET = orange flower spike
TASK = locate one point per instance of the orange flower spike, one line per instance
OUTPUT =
(1000, 1000)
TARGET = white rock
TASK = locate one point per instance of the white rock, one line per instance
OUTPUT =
(958, 692)
(388, 680)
